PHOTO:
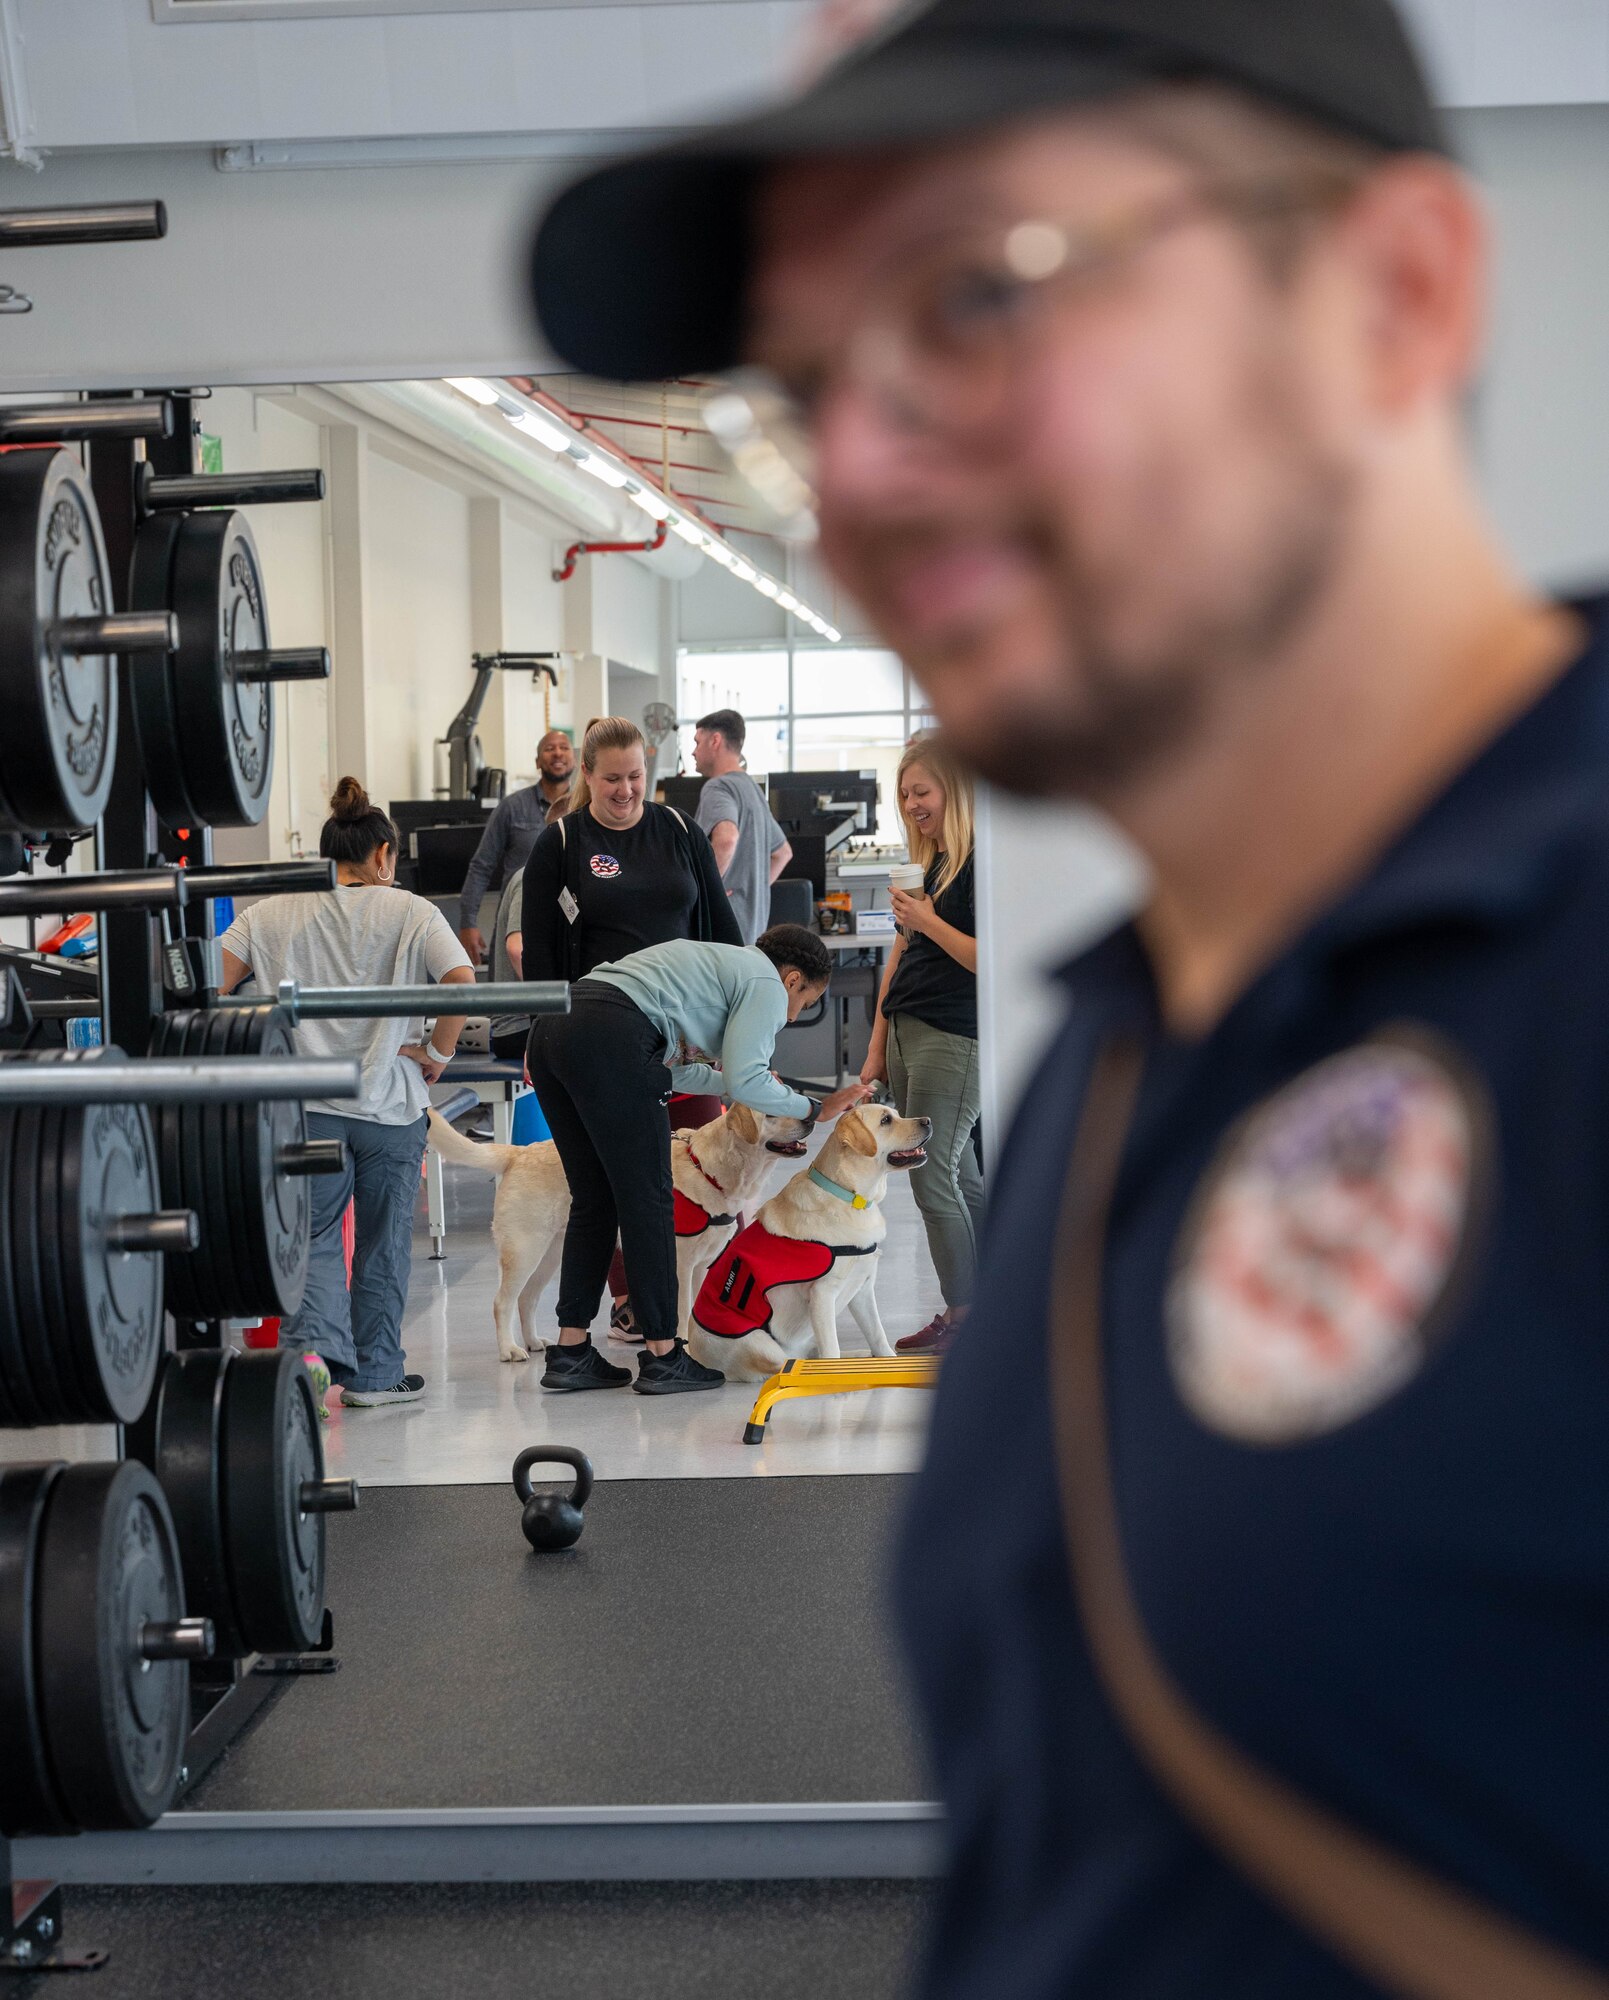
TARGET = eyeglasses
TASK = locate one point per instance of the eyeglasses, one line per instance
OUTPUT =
(943, 334)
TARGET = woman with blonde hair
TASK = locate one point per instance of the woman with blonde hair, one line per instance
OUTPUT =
(924, 1043)
(616, 874)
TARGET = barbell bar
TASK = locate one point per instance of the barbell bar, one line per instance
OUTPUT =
(155, 492)
(373, 1003)
(276, 878)
(224, 1080)
(281, 663)
(88, 222)
(138, 889)
(72, 423)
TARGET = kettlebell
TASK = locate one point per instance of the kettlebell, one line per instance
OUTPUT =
(553, 1520)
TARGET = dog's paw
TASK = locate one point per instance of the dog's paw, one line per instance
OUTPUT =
(515, 1353)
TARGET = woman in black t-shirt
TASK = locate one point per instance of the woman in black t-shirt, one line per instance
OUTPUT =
(925, 1040)
(616, 874)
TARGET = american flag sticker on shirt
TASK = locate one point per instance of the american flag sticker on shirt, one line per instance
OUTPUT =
(1319, 1257)
(605, 867)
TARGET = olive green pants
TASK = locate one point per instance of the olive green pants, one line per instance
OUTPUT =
(935, 1075)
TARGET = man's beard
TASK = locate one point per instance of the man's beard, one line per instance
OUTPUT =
(1118, 708)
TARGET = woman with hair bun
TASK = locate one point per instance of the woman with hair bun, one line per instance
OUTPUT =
(366, 932)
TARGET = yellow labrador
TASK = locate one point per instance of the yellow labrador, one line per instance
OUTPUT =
(774, 1295)
(717, 1172)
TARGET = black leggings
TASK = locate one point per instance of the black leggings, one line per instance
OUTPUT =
(600, 1078)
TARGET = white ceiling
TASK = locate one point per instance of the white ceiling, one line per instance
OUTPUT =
(94, 73)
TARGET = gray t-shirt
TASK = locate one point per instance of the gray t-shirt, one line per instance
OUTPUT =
(356, 936)
(736, 797)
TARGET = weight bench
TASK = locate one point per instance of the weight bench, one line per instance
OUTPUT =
(474, 1082)
(833, 1378)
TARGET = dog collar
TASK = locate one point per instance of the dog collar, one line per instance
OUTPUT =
(697, 1162)
(843, 1193)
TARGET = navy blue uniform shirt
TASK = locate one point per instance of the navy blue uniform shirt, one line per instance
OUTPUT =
(1357, 1348)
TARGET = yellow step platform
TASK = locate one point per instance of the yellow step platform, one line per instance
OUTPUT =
(833, 1378)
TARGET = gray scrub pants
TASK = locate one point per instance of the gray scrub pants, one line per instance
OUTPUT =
(359, 1333)
(935, 1075)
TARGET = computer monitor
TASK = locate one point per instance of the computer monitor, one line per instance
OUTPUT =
(682, 793)
(796, 800)
(444, 854)
(408, 815)
(809, 862)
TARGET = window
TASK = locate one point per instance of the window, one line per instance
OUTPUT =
(810, 708)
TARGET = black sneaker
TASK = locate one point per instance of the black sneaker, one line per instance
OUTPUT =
(408, 1390)
(674, 1373)
(582, 1368)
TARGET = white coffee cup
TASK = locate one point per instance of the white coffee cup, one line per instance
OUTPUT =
(909, 876)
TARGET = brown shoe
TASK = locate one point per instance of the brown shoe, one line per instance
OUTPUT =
(936, 1337)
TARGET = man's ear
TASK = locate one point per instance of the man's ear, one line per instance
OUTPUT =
(744, 1122)
(857, 1135)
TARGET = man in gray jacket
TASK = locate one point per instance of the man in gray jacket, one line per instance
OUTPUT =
(510, 832)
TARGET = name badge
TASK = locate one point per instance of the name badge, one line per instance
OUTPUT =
(569, 905)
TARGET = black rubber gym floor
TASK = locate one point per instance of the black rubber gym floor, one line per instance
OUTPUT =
(708, 1641)
(617, 1941)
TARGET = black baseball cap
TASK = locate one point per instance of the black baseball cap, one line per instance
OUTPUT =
(640, 267)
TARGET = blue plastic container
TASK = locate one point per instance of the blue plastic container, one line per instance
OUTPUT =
(529, 1124)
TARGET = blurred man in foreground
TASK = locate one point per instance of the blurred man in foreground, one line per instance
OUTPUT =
(1257, 1585)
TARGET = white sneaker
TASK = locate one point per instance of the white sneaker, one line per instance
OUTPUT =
(408, 1390)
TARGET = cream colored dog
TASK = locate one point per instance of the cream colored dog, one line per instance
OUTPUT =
(765, 1303)
(719, 1169)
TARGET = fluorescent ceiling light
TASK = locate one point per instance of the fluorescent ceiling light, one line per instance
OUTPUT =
(689, 531)
(543, 429)
(474, 388)
(745, 572)
(649, 501)
(604, 469)
(767, 587)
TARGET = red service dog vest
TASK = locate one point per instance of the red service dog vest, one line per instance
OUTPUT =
(735, 1297)
(691, 1220)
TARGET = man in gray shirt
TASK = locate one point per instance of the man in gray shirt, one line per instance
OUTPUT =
(751, 850)
(511, 833)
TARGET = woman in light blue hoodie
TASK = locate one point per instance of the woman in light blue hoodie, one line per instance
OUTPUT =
(684, 1015)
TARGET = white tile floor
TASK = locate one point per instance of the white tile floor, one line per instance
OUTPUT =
(478, 1412)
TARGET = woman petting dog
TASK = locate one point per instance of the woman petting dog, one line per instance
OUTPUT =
(924, 1042)
(618, 873)
(686, 1015)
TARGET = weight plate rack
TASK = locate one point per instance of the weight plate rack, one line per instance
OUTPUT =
(154, 1187)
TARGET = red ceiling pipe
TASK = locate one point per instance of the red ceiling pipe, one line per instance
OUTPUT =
(578, 549)
(651, 474)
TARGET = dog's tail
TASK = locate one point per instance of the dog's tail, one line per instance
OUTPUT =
(464, 1152)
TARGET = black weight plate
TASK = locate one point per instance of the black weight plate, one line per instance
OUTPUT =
(113, 1298)
(116, 1724)
(188, 1463)
(199, 1190)
(276, 1551)
(220, 1139)
(283, 1201)
(155, 709)
(227, 725)
(30, 1246)
(18, 1397)
(28, 1801)
(57, 748)
(63, 1337)
(246, 1026)
(184, 1270)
